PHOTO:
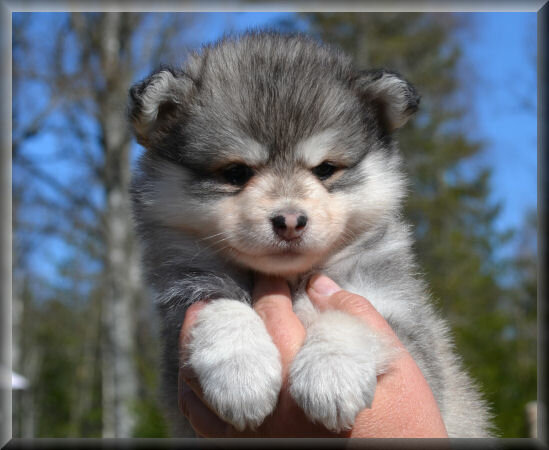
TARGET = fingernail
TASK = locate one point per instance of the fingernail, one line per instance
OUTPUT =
(323, 285)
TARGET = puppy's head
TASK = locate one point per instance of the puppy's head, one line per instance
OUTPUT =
(270, 149)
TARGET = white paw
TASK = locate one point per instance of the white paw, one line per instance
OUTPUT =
(236, 362)
(334, 375)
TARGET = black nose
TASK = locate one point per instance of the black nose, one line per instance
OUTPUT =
(289, 225)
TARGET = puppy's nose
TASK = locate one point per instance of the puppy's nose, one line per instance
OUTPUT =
(289, 225)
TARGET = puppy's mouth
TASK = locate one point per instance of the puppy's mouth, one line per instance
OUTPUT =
(285, 250)
(286, 260)
(278, 250)
(288, 252)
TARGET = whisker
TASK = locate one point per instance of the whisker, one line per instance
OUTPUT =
(213, 235)
(210, 246)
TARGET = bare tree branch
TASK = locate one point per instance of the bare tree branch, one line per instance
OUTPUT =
(52, 182)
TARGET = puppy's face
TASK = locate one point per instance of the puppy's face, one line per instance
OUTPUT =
(275, 179)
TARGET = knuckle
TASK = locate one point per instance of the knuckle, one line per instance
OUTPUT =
(352, 302)
(270, 306)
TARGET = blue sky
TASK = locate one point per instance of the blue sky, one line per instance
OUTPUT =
(500, 49)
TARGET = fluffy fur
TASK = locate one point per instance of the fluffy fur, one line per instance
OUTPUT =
(265, 126)
(230, 345)
(334, 389)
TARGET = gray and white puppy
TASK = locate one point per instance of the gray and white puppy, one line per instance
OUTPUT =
(270, 153)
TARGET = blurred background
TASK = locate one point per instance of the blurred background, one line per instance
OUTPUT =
(85, 349)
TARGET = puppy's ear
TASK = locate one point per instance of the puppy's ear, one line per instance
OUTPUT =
(156, 100)
(393, 98)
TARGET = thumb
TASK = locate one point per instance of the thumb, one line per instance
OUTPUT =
(325, 294)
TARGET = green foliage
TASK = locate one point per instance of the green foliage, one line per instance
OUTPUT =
(65, 382)
(150, 420)
(456, 240)
(491, 303)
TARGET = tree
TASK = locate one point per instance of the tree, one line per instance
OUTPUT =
(449, 202)
(71, 156)
(87, 329)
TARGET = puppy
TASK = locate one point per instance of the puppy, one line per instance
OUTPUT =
(270, 153)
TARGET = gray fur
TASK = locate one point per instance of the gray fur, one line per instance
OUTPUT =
(256, 98)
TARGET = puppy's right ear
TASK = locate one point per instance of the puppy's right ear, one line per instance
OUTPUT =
(156, 100)
(393, 98)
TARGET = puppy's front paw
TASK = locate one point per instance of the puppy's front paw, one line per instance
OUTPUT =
(237, 363)
(334, 375)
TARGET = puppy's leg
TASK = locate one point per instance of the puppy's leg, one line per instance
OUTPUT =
(333, 376)
(236, 362)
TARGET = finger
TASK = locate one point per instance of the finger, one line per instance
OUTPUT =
(203, 421)
(405, 378)
(273, 303)
(403, 406)
(186, 380)
(190, 396)
(186, 374)
(325, 294)
(188, 322)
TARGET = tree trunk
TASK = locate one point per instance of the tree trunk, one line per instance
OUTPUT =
(118, 352)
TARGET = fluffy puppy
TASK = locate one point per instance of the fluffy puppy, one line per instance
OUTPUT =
(270, 153)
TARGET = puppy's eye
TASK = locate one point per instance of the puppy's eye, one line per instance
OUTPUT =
(324, 170)
(238, 174)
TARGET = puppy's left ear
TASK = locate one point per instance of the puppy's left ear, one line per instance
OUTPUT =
(157, 100)
(392, 97)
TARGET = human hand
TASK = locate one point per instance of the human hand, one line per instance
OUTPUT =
(403, 404)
